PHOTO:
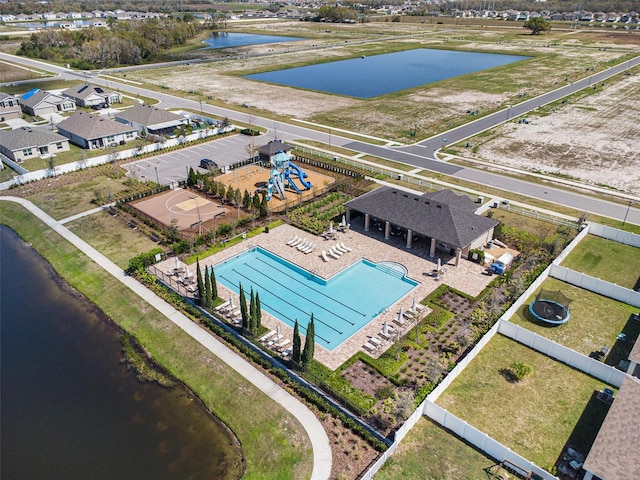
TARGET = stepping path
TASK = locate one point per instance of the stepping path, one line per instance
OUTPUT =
(318, 437)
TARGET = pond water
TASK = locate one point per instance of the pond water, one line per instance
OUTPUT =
(370, 77)
(71, 410)
(228, 40)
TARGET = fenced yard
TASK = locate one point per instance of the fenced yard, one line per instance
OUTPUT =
(536, 417)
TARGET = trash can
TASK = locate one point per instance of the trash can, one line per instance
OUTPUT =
(266, 229)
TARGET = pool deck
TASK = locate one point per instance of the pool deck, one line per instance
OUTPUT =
(468, 277)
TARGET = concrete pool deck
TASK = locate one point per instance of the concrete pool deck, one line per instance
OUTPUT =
(468, 277)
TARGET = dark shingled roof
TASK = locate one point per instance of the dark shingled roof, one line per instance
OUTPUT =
(614, 454)
(89, 127)
(150, 117)
(443, 215)
(274, 147)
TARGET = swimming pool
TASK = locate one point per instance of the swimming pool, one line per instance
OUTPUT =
(341, 305)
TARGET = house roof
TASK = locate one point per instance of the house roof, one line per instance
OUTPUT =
(4, 96)
(614, 454)
(88, 126)
(151, 117)
(84, 90)
(450, 221)
(273, 147)
(33, 97)
(28, 137)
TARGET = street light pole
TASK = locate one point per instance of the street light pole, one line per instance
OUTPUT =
(157, 177)
(627, 213)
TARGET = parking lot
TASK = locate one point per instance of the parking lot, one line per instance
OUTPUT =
(174, 166)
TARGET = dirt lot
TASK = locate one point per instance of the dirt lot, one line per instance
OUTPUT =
(593, 140)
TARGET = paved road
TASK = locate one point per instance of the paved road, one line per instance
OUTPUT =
(420, 155)
(319, 440)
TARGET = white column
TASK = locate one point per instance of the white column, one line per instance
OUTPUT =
(387, 230)
(409, 238)
(458, 256)
(367, 220)
(432, 248)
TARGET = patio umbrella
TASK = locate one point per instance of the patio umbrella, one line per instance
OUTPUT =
(385, 328)
(230, 303)
(413, 305)
(400, 317)
(177, 264)
(439, 264)
(277, 331)
(331, 226)
(344, 221)
(187, 274)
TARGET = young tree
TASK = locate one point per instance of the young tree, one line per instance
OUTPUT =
(192, 179)
(309, 344)
(256, 202)
(207, 290)
(537, 25)
(264, 207)
(295, 355)
(230, 194)
(214, 286)
(221, 191)
(200, 284)
(258, 311)
(243, 308)
(246, 200)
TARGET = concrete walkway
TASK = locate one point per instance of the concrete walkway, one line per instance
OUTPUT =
(315, 431)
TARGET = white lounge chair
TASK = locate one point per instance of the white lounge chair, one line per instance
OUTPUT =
(331, 252)
(336, 252)
(309, 249)
(369, 347)
(295, 244)
(375, 341)
(280, 346)
(337, 249)
(323, 254)
(275, 339)
(286, 352)
(222, 306)
(344, 247)
(267, 336)
(303, 245)
(294, 239)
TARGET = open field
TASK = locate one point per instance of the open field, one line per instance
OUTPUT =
(536, 417)
(595, 321)
(112, 237)
(272, 440)
(430, 452)
(607, 260)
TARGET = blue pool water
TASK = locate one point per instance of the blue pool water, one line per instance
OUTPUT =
(341, 305)
(390, 72)
(228, 40)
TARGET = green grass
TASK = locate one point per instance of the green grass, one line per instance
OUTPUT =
(536, 417)
(430, 452)
(595, 321)
(274, 444)
(607, 260)
(111, 237)
(66, 200)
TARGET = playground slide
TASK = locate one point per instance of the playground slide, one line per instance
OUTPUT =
(301, 175)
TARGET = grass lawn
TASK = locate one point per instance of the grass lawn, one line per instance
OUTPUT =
(536, 417)
(111, 237)
(607, 260)
(431, 452)
(274, 444)
(595, 321)
(66, 200)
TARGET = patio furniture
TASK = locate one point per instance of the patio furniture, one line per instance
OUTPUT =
(267, 336)
(323, 254)
(344, 247)
(333, 254)
(294, 244)
(369, 347)
(293, 240)
(222, 306)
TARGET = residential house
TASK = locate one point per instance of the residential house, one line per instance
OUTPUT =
(153, 120)
(40, 103)
(444, 219)
(91, 131)
(86, 95)
(28, 142)
(9, 107)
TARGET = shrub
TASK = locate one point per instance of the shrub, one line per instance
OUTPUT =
(521, 370)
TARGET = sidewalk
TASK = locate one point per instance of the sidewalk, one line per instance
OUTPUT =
(318, 437)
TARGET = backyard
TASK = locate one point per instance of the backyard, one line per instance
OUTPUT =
(595, 321)
(536, 417)
(607, 260)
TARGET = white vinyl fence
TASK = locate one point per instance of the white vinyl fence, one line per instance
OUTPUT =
(615, 234)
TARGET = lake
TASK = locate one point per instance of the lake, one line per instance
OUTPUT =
(370, 77)
(228, 40)
(71, 409)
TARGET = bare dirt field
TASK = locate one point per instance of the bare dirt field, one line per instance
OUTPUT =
(593, 140)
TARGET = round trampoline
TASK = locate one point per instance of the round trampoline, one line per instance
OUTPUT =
(551, 307)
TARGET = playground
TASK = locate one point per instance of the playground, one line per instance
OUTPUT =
(256, 178)
(187, 207)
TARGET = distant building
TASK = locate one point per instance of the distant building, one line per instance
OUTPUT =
(85, 95)
(26, 142)
(95, 131)
(9, 107)
(153, 120)
(39, 103)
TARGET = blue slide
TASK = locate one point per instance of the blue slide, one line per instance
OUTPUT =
(301, 176)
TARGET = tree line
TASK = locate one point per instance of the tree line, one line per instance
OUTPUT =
(122, 43)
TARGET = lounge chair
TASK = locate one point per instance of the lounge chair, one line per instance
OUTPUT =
(323, 254)
(338, 249)
(369, 347)
(309, 249)
(267, 336)
(331, 252)
(344, 247)
(280, 346)
(286, 352)
(335, 251)
(399, 321)
(375, 341)
(295, 244)
(275, 339)
(303, 245)
(294, 239)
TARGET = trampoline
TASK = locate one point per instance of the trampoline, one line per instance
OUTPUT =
(551, 307)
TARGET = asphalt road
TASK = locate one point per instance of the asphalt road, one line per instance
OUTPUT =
(420, 155)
